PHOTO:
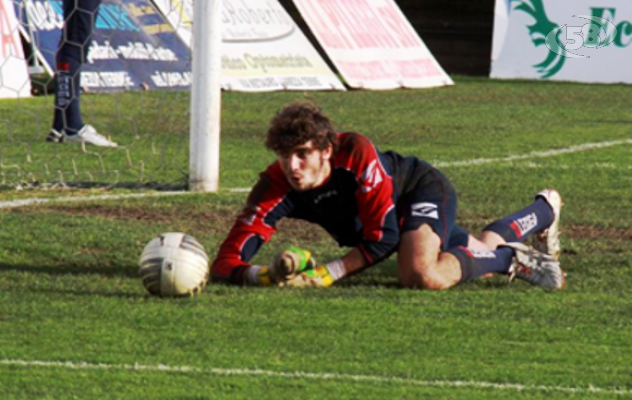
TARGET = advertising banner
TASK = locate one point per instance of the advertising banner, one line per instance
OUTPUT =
(133, 45)
(179, 13)
(262, 48)
(578, 40)
(372, 44)
(14, 76)
(501, 19)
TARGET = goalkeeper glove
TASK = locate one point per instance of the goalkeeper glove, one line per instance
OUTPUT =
(283, 266)
(322, 276)
(317, 277)
(290, 262)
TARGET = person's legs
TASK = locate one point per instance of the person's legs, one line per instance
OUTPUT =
(543, 221)
(73, 49)
(433, 251)
(79, 22)
(518, 226)
(423, 265)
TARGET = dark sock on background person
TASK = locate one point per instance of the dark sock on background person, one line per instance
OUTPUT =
(67, 91)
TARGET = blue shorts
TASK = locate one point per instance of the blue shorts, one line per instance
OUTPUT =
(434, 203)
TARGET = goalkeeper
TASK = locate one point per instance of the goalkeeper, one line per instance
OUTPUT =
(68, 126)
(376, 203)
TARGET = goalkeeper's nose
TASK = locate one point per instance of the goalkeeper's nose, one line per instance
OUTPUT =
(296, 163)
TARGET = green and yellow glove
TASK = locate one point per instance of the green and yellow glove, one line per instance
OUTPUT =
(319, 277)
(289, 263)
(283, 266)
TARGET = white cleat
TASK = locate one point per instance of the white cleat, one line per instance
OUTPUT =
(548, 240)
(535, 267)
(87, 135)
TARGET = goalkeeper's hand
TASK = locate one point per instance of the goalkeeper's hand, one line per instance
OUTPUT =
(319, 277)
(289, 263)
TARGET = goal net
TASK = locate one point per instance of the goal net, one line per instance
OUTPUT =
(134, 90)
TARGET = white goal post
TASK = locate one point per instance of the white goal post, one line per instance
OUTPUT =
(205, 97)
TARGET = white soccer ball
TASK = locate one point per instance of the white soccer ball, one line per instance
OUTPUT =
(173, 265)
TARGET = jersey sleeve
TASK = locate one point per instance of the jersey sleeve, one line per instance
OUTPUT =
(374, 197)
(253, 227)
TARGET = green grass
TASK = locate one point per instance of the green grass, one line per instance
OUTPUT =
(69, 290)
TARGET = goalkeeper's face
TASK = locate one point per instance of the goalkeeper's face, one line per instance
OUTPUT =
(306, 167)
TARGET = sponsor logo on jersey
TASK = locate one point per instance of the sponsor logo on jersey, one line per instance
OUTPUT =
(525, 224)
(371, 177)
(324, 196)
(426, 210)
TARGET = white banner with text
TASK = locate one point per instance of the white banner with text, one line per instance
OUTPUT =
(372, 44)
(578, 40)
(262, 48)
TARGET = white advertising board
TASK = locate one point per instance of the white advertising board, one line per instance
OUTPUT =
(372, 44)
(572, 40)
(14, 77)
(501, 19)
(262, 48)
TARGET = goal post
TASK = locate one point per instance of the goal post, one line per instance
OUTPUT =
(205, 97)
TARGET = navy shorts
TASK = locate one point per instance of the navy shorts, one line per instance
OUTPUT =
(434, 203)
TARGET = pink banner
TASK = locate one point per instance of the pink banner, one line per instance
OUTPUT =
(372, 44)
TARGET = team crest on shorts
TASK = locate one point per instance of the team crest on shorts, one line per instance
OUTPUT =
(426, 210)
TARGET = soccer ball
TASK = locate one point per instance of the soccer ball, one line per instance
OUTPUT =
(174, 265)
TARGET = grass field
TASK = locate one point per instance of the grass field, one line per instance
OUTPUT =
(76, 323)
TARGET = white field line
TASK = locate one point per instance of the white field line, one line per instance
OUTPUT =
(441, 164)
(315, 376)
(535, 154)
(36, 200)
(578, 168)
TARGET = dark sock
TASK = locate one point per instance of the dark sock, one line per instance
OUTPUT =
(476, 263)
(67, 90)
(518, 226)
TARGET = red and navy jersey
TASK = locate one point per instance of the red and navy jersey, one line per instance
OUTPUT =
(356, 206)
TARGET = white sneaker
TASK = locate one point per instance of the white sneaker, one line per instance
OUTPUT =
(548, 240)
(535, 267)
(89, 135)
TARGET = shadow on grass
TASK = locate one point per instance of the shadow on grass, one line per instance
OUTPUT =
(93, 293)
(70, 269)
(385, 276)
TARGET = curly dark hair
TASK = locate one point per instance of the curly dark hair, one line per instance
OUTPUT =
(298, 123)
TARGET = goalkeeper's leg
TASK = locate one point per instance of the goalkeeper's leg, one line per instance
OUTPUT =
(423, 265)
(542, 216)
